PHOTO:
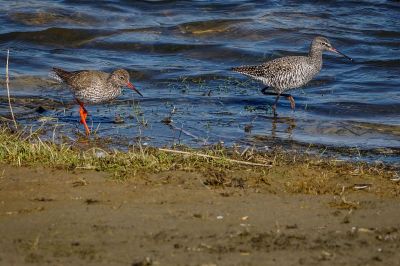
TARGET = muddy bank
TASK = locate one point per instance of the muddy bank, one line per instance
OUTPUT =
(60, 217)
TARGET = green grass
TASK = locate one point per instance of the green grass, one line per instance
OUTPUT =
(281, 171)
(29, 150)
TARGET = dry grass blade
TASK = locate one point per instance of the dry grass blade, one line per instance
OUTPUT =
(214, 157)
(8, 90)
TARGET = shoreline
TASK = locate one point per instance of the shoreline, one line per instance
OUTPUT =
(62, 205)
(22, 148)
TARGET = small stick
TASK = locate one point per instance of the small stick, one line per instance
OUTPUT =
(8, 91)
(213, 157)
(187, 133)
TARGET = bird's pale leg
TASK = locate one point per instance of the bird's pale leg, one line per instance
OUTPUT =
(83, 114)
(274, 106)
(278, 95)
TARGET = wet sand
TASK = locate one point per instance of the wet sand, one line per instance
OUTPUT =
(59, 217)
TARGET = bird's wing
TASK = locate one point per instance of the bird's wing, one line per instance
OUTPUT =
(273, 73)
(84, 79)
(266, 71)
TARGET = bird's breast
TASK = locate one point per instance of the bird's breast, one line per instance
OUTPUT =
(97, 94)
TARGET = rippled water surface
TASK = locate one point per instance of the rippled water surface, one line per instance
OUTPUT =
(179, 54)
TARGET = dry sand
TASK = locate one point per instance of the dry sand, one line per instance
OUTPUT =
(56, 217)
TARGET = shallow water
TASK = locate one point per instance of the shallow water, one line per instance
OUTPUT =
(179, 54)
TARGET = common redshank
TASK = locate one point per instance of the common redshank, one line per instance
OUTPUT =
(289, 72)
(94, 87)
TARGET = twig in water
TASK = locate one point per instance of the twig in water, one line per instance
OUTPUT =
(213, 157)
(97, 128)
(54, 133)
(180, 134)
(137, 113)
(187, 133)
(8, 91)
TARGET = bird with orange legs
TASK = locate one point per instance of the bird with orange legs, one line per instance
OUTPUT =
(94, 87)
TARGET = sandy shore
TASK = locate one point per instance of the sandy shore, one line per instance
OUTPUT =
(59, 217)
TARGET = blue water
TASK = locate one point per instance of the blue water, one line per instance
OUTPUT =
(179, 54)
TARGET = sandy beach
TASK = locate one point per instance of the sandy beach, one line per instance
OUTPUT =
(79, 217)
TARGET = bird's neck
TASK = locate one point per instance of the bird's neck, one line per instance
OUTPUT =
(315, 59)
(315, 54)
(113, 87)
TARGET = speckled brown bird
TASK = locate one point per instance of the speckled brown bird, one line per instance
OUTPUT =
(289, 72)
(94, 87)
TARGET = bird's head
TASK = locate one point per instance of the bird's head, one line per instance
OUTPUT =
(120, 77)
(323, 44)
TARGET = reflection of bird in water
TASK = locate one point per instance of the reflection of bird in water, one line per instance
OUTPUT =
(291, 125)
(282, 129)
(93, 87)
(289, 72)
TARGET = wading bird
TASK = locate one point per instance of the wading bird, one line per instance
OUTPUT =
(289, 72)
(94, 87)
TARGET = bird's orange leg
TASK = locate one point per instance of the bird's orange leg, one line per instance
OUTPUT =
(288, 96)
(291, 100)
(83, 114)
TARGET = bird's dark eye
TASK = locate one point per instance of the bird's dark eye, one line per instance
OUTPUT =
(121, 77)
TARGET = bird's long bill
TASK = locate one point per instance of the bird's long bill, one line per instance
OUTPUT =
(130, 85)
(342, 54)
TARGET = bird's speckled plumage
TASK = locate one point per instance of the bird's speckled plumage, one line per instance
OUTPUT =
(291, 71)
(94, 87)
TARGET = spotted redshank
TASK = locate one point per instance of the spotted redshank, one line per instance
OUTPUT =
(290, 72)
(94, 87)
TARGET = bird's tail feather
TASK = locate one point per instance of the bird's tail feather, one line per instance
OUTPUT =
(59, 74)
(54, 77)
(237, 69)
(244, 69)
